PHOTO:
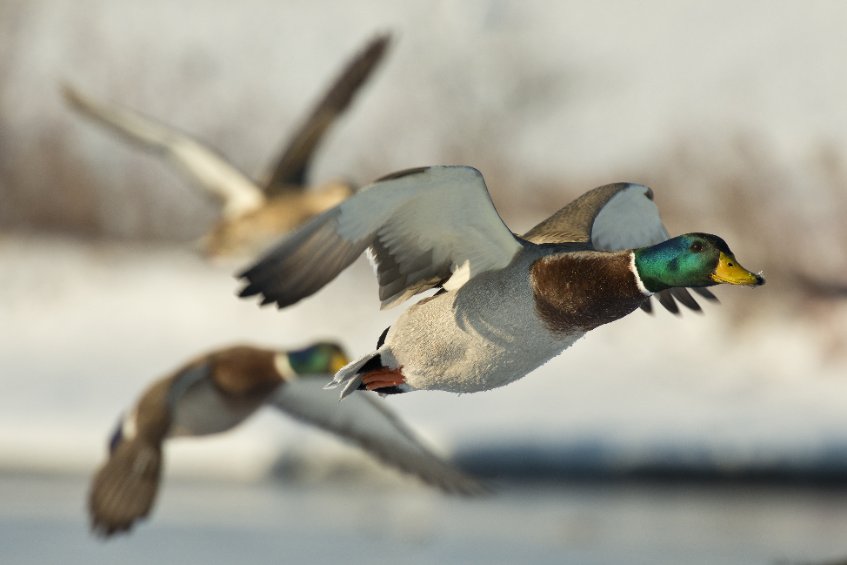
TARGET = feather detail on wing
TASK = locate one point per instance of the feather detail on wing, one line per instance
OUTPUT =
(124, 489)
(363, 419)
(615, 217)
(424, 227)
(199, 163)
(574, 222)
(293, 164)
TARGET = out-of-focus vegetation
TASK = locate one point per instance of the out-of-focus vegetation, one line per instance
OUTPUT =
(58, 173)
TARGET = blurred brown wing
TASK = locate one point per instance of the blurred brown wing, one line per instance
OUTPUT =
(292, 166)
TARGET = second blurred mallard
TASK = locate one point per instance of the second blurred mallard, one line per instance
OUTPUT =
(253, 213)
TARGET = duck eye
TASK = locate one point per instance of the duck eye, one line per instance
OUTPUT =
(696, 247)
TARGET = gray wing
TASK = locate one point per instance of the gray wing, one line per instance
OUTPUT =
(365, 421)
(425, 227)
(199, 163)
(574, 222)
(293, 164)
(613, 217)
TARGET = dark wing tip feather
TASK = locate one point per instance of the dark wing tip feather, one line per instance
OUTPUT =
(684, 297)
(669, 298)
(302, 263)
(706, 293)
(255, 289)
(249, 290)
(665, 298)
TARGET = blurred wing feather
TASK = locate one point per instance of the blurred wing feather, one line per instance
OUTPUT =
(202, 165)
(364, 420)
(292, 166)
(124, 489)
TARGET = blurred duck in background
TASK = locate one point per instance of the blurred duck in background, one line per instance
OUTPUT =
(219, 390)
(504, 304)
(252, 213)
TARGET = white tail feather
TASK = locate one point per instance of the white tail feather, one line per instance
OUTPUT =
(349, 375)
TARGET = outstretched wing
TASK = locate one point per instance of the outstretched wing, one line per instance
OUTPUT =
(199, 163)
(365, 421)
(613, 217)
(124, 488)
(425, 227)
(292, 166)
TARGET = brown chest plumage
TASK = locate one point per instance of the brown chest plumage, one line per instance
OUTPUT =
(153, 418)
(244, 372)
(579, 291)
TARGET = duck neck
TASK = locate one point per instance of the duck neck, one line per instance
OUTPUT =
(640, 282)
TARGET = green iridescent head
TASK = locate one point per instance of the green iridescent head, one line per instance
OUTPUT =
(323, 357)
(693, 259)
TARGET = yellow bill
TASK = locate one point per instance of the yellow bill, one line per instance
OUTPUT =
(729, 271)
(338, 362)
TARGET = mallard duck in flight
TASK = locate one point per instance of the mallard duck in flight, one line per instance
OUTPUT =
(253, 213)
(219, 390)
(506, 304)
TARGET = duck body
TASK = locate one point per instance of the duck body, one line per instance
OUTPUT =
(506, 304)
(503, 324)
(214, 394)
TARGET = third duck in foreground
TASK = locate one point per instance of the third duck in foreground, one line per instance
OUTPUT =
(506, 304)
(217, 391)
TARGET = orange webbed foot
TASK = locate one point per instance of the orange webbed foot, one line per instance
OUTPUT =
(383, 378)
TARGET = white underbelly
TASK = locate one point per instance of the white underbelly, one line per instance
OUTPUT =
(204, 410)
(471, 344)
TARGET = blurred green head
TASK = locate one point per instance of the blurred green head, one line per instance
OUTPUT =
(693, 259)
(323, 357)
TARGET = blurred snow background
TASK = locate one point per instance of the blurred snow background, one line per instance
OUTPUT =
(733, 112)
